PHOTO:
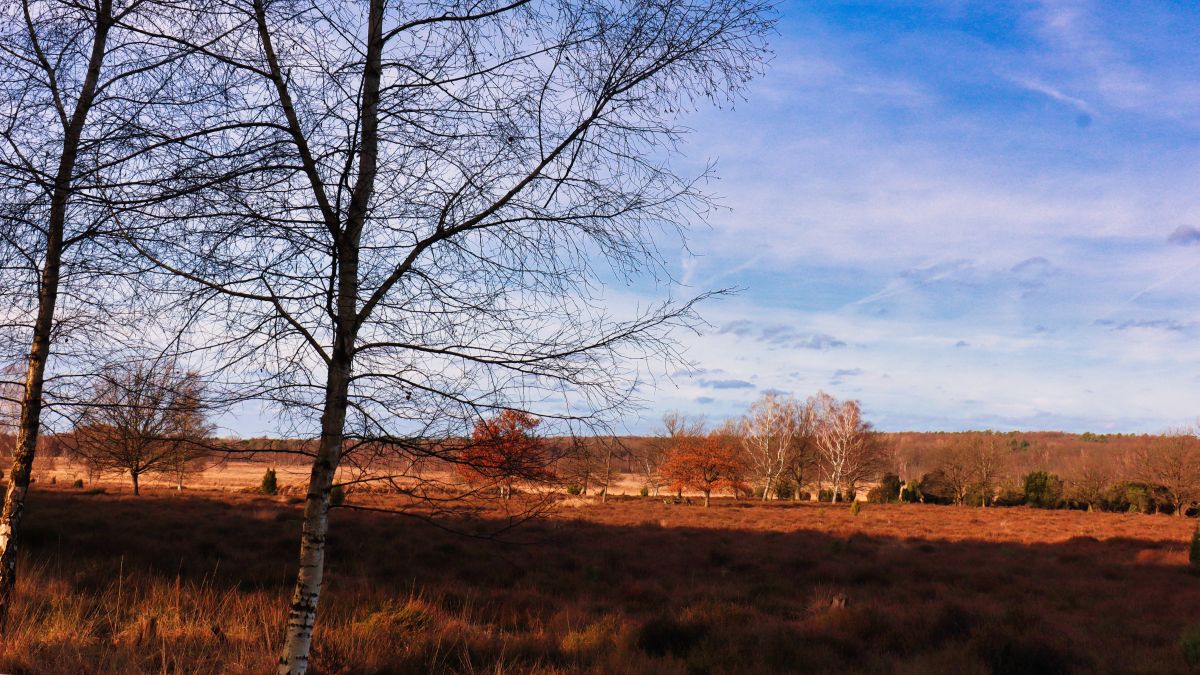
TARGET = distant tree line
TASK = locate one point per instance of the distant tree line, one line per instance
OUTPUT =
(821, 448)
(1155, 474)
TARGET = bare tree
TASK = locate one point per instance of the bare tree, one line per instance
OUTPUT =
(611, 448)
(582, 463)
(412, 203)
(991, 462)
(768, 434)
(72, 78)
(803, 457)
(144, 417)
(849, 448)
(956, 460)
(1089, 476)
(1173, 462)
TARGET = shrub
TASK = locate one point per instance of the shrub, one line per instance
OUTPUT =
(887, 491)
(645, 491)
(337, 495)
(1043, 490)
(78, 483)
(1009, 494)
(978, 494)
(574, 490)
(936, 489)
(270, 485)
(855, 507)
(1194, 553)
(1131, 497)
(784, 490)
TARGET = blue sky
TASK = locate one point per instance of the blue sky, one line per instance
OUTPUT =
(965, 215)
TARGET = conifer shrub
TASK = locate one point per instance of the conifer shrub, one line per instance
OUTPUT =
(270, 484)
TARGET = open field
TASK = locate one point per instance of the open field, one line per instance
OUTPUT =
(197, 582)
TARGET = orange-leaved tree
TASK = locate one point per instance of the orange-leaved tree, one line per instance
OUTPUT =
(704, 462)
(504, 450)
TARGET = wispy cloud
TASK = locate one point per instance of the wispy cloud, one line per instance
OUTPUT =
(1184, 235)
(725, 384)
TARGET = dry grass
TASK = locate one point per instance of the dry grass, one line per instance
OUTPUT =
(196, 583)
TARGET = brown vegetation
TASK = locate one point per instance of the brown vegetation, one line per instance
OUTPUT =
(199, 584)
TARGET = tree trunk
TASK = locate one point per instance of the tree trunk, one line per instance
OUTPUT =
(303, 612)
(707, 498)
(39, 353)
(303, 609)
(133, 475)
(767, 490)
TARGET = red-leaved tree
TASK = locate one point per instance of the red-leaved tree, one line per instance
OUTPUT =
(504, 450)
(704, 462)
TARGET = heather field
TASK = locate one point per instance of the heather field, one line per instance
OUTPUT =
(198, 583)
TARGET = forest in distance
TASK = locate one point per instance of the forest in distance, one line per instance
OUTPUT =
(818, 449)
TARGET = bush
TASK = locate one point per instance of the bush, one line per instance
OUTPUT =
(855, 507)
(1043, 490)
(978, 495)
(78, 483)
(574, 490)
(1009, 494)
(270, 486)
(936, 488)
(784, 490)
(887, 491)
(1194, 553)
(1131, 497)
(337, 495)
(645, 491)
(912, 493)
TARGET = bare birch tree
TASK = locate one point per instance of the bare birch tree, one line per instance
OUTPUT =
(768, 433)
(415, 203)
(849, 449)
(72, 81)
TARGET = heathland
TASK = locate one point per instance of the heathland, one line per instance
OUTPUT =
(197, 581)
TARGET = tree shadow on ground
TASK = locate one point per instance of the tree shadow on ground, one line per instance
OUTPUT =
(643, 597)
